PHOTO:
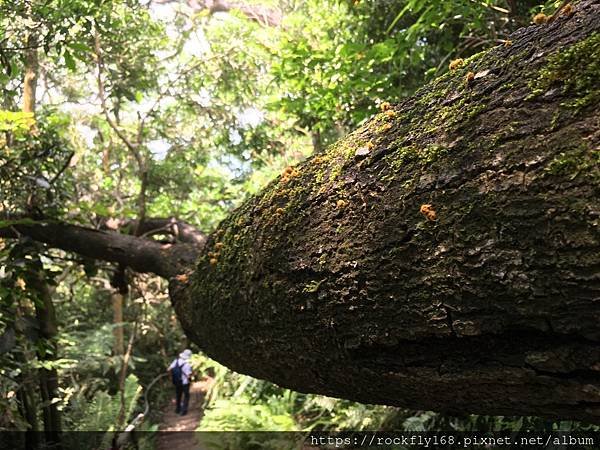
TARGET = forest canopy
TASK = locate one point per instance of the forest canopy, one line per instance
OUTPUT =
(139, 141)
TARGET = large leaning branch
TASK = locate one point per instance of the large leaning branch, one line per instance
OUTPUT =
(444, 256)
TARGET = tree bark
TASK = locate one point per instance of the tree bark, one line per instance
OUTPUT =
(28, 408)
(444, 256)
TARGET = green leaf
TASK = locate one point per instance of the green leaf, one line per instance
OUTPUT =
(69, 61)
(80, 47)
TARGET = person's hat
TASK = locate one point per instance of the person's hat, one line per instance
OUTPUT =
(185, 354)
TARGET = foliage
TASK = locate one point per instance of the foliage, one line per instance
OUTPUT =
(339, 59)
(240, 402)
(150, 109)
(57, 26)
(35, 156)
(16, 123)
(100, 413)
(269, 415)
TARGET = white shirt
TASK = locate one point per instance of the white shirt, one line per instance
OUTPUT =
(186, 369)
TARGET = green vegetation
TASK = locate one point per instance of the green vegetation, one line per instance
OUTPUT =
(574, 70)
(239, 402)
(142, 110)
(582, 161)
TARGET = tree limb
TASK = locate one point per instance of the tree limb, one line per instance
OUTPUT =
(444, 256)
(142, 255)
(179, 230)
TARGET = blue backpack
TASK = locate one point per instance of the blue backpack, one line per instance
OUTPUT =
(176, 374)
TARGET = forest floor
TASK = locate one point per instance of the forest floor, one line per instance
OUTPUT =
(186, 424)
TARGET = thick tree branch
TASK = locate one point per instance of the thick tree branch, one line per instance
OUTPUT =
(142, 255)
(444, 256)
(179, 230)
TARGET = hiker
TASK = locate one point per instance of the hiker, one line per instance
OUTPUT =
(181, 371)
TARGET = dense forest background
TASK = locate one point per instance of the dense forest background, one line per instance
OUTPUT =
(117, 112)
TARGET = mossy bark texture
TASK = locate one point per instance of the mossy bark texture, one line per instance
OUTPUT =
(444, 256)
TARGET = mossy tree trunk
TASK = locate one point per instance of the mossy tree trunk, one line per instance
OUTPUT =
(444, 256)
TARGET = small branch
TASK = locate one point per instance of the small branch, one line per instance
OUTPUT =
(163, 94)
(102, 95)
(123, 373)
(63, 168)
(492, 7)
(181, 231)
(19, 49)
(131, 146)
(141, 202)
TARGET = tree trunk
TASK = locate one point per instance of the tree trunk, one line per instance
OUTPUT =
(27, 379)
(31, 74)
(444, 256)
(117, 307)
(48, 378)
(44, 308)
(120, 289)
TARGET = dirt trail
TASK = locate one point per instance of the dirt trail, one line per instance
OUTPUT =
(184, 439)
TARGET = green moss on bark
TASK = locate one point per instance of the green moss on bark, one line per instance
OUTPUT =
(580, 161)
(575, 70)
